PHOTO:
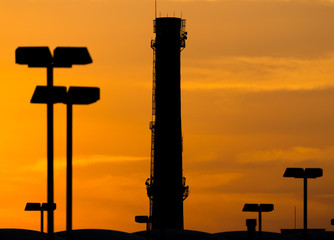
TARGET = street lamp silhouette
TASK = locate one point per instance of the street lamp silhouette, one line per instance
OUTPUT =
(304, 174)
(39, 207)
(260, 208)
(80, 96)
(147, 220)
(63, 57)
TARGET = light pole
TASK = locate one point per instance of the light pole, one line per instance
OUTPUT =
(81, 96)
(260, 208)
(38, 207)
(63, 57)
(304, 174)
(147, 220)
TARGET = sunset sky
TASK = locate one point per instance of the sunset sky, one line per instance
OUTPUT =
(257, 97)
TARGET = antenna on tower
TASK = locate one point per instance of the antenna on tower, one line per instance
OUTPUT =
(155, 9)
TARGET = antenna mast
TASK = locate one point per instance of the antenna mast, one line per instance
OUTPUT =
(155, 9)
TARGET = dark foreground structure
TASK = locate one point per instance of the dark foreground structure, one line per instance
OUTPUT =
(166, 186)
(103, 234)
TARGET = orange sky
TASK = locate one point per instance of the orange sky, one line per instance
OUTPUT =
(257, 97)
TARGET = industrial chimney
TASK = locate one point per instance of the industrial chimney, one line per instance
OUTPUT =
(166, 186)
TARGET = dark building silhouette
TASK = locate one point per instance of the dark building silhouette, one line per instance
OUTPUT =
(166, 186)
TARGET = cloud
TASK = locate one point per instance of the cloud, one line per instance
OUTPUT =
(258, 73)
(207, 182)
(60, 162)
(298, 29)
(300, 117)
(293, 155)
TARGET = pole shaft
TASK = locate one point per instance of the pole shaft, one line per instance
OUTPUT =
(305, 203)
(69, 174)
(42, 224)
(147, 231)
(50, 184)
(260, 225)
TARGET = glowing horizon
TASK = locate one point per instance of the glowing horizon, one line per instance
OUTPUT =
(257, 88)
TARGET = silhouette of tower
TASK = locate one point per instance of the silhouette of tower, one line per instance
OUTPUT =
(166, 186)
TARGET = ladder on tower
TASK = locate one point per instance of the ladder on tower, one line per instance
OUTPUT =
(150, 181)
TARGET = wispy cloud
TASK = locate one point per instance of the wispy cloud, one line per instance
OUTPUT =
(60, 162)
(291, 155)
(259, 73)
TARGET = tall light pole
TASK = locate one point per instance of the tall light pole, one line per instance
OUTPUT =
(81, 96)
(63, 57)
(304, 174)
(260, 208)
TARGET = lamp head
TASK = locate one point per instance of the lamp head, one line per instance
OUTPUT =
(33, 56)
(266, 207)
(82, 95)
(142, 219)
(46, 206)
(33, 207)
(68, 56)
(44, 94)
(250, 207)
(63, 57)
(313, 172)
(294, 172)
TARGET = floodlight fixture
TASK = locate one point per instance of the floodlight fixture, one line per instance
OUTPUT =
(33, 207)
(313, 172)
(44, 94)
(83, 95)
(68, 56)
(63, 57)
(304, 174)
(266, 207)
(260, 208)
(253, 207)
(294, 172)
(142, 219)
(33, 56)
(250, 207)
(47, 206)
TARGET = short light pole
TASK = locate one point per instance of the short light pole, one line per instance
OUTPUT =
(41, 57)
(147, 220)
(304, 174)
(80, 96)
(39, 207)
(260, 208)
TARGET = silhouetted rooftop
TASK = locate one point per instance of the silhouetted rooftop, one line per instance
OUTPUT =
(100, 234)
(170, 234)
(177, 234)
(21, 234)
(242, 235)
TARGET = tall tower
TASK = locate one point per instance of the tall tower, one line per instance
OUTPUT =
(166, 186)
